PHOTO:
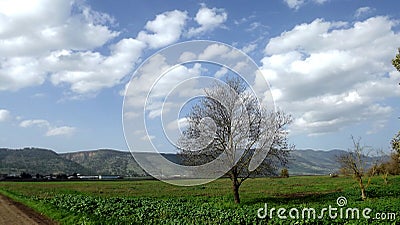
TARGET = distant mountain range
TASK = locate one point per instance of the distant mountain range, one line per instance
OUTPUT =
(112, 162)
(314, 162)
(34, 160)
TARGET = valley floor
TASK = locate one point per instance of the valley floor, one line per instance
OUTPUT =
(155, 202)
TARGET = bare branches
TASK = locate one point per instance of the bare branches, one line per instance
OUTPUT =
(355, 161)
(252, 138)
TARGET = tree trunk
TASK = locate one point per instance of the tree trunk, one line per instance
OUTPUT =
(363, 195)
(235, 189)
(385, 175)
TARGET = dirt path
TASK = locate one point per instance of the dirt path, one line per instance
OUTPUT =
(15, 213)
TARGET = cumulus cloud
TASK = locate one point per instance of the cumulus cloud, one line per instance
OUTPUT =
(88, 72)
(215, 51)
(37, 27)
(50, 129)
(333, 74)
(157, 76)
(32, 32)
(187, 56)
(208, 20)
(20, 72)
(165, 29)
(40, 42)
(4, 115)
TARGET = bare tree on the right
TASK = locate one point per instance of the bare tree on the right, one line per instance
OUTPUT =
(355, 163)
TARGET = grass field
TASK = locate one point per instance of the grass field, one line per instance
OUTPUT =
(155, 202)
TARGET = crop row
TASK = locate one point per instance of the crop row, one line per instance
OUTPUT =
(147, 210)
(125, 210)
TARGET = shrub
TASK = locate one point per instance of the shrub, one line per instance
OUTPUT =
(285, 173)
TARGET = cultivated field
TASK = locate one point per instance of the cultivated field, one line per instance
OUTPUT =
(150, 201)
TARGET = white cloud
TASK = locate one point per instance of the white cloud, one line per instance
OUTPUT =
(32, 123)
(249, 48)
(51, 130)
(306, 36)
(180, 124)
(296, 4)
(208, 19)
(131, 115)
(20, 72)
(156, 80)
(40, 42)
(360, 12)
(334, 74)
(254, 26)
(60, 131)
(147, 137)
(32, 32)
(167, 86)
(89, 72)
(35, 28)
(221, 72)
(187, 56)
(320, 1)
(165, 29)
(215, 51)
(4, 115)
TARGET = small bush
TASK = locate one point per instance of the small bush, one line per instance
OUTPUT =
(284, 173)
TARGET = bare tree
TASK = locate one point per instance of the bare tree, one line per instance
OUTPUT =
(253, 140)
(355, 162)
(380, 167)
(388, 166)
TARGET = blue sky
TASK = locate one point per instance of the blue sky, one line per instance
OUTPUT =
(64, 64)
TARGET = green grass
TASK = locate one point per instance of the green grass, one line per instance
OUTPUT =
(150, 201)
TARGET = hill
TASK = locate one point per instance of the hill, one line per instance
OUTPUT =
(314, 162)
(104, 161)
(112, 162)
(36, 160)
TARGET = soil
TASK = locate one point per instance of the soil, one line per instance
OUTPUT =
(15, 213)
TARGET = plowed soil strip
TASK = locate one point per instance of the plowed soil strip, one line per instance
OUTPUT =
(15, 213)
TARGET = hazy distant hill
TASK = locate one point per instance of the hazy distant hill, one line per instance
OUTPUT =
(34, 160)
(310, 162)
(112, 162)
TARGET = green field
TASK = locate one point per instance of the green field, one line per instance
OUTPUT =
(155, 202)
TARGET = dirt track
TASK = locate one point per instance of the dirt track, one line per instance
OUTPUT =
(14, 213)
